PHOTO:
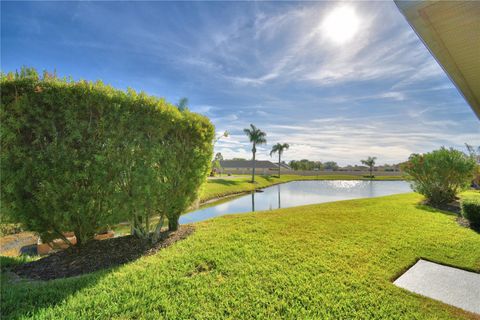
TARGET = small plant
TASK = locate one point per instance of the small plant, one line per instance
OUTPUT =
(471, 210)
(441, 174)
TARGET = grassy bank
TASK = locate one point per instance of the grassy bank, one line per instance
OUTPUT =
(220, 187)
(328, 261)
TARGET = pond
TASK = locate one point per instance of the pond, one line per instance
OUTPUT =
(297, 193)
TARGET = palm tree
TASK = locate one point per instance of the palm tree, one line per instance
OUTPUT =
(370, 162)
(256, 137)
(279, 148)
(182, 104)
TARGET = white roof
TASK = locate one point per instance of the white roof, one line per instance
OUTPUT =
(451, 31)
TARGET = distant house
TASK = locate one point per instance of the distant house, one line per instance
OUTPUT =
(283, 166)
(388, 168)
(245, 166)
(351, 168)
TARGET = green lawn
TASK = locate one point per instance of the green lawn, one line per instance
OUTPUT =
(220, 187)
(326, 261)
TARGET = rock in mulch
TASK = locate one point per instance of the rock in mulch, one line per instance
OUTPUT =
(96, 255)
(14, 245)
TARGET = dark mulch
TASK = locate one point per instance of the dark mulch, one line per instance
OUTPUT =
(463, 222)
(96, 255)
(453, 207)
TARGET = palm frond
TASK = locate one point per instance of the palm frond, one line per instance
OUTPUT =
(255, 135)
(261, 141)
(182, 104)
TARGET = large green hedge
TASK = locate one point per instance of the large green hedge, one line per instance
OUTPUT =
(78, 156)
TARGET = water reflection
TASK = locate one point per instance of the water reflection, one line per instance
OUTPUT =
(298, 193)
(253, 201)
(279, 202)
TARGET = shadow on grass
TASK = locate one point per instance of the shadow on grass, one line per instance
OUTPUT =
(460, 220)
(225, 182)
(85, 267)
(21, 298)
(270, 178)
(475, 228)
(429, 208)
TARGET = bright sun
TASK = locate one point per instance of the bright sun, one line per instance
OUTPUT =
(341, 24)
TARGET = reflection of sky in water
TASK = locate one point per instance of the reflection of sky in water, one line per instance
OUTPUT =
(299, 193)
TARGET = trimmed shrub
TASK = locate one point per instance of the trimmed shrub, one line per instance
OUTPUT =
(79, 156)
(439, 175)
(471, 210)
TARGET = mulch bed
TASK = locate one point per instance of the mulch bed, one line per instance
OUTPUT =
(453, 207)
(96, 255)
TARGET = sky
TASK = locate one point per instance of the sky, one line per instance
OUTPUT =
(338, 81)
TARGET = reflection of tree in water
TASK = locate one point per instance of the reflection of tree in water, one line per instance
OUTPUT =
(371, 192)
(253, 201)
(279, 203)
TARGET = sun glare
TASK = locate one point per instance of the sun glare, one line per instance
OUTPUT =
(341, 24)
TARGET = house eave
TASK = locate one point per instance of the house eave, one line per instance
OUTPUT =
(451, 32)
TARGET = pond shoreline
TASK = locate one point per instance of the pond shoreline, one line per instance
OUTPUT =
(294, 193)
(199, 204)
(238, 193)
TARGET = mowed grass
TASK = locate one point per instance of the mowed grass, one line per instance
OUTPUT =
(329, 261)
(220, 187)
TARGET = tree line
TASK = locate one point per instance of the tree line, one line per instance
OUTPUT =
(307, 165)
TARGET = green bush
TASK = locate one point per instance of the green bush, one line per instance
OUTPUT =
(439, 175)
(471, 209)
(79, 156)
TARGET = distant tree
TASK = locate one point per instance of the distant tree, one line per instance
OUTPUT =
(475, 155)
(370, 163)
(218, 156)
(306, 165)
(217, 166)
(279, 148)
(239, 159)
(182, 104)
(330, 165)
(256, 137)
(317, 165)
(293, 164)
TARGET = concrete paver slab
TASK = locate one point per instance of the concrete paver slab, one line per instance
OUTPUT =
(453, 286)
